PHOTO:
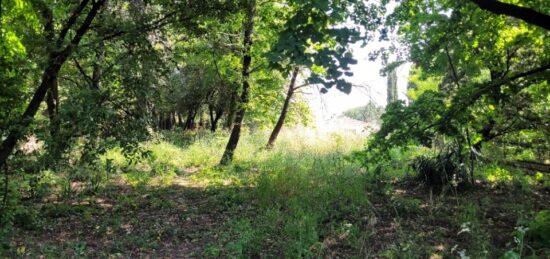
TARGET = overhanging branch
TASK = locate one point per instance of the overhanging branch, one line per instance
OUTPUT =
(523, 13)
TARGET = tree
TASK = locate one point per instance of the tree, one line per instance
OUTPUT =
(320, 44)
(369, 113)
(56, 58)
(246, 61)
(292, 87)
(474, 76)
(392, 86)
(114, 59)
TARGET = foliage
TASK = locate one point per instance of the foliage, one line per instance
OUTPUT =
(469, 84)
(403, 125)
(539, 228)
(300, 199)
(369, 113)
(421, 83)
(315, 36)
(445, 169)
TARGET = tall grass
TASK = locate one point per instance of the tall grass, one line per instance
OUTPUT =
(295, 196)
(303, 198)
(291, 200)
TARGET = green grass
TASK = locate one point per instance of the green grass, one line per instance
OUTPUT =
(297, 193)
(302, 199)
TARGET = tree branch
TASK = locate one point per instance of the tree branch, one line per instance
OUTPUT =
(455, 75)
(71, 21)
(146, 27)
(300, 86)
(462, 102)
(82, 71)
(528, 15)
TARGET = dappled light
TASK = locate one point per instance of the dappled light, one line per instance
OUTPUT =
(274, 129)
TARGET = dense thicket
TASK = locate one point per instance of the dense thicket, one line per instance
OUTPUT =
(478, 80)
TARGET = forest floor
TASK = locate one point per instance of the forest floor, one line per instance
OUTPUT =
(303, 199)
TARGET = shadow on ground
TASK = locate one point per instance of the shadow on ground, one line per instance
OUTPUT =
(175, 221)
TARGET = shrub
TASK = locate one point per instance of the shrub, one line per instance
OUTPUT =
(539, 228)
(443, 169)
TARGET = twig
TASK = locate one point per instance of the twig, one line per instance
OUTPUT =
(6, 181)
(455, 75)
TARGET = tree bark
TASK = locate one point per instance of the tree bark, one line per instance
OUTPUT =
(232, 110)
(215, 115)
(531, 165)
(523, 13)
(52, 102)
(284, 111)
(180, 120)
(217, 118)
(52, 96)
(247, 60)
(55, 60)
(48, 79)
(392, 86)
(211, 113)
(190, 121)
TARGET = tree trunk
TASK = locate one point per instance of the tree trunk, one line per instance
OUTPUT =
(201, 120)
(531, 166)
(217, 118)
(247, 60)
(52, 102)
(190, 121)
(48, 79)
(52, 96)
(57, 144)
(154, 117)
(215, 115)
(232, 110)
(180, 120)
(55, 61)
(523, 13)
(173, 118)
(284, 111)
(211, 113)
(392, 86)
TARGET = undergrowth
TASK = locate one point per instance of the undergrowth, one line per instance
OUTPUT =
(305, 198)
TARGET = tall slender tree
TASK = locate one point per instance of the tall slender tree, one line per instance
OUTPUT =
(292, 87)
(392, 86)
(248, 31)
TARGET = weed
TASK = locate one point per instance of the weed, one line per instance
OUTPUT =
(406, 207)
(472, 233)
(79, 249)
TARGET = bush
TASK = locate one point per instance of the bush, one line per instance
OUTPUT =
(539, 228)
(444, 169)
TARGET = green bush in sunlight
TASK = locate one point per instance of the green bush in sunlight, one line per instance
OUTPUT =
(499, 175)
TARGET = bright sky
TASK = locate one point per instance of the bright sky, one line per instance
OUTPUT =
(367, 74)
